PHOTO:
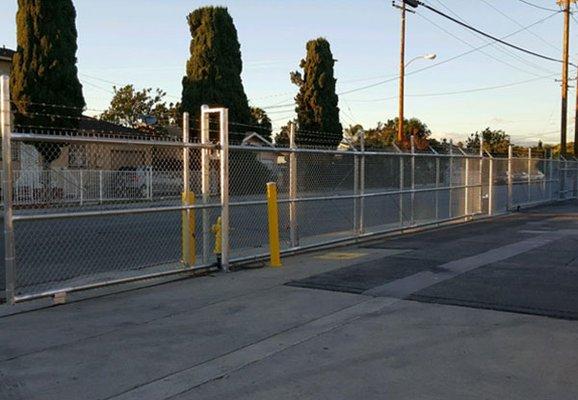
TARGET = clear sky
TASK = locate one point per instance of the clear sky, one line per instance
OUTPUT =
(145, 42)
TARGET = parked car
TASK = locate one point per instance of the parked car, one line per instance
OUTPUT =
(502, 179)
(132, 182)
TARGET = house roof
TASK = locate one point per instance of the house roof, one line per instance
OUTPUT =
(105, 128)
(255, 136)
(6, 54)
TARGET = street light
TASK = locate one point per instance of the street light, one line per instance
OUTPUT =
(430, 57)
(403, 66)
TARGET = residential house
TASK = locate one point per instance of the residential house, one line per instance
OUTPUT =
(270, 159)
(6, 60)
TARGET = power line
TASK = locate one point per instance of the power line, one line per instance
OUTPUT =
(448, 59)
(505, 51)
(537, 6)
(117, 84)
(473, 47)
(513, 46)
(472, 90)
(540, 38)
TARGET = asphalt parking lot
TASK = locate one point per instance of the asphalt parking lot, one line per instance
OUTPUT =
(486, 310)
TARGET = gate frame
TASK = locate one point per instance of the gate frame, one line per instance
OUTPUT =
(7, 189)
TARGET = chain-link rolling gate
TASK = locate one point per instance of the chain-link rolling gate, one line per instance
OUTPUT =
(111, 208)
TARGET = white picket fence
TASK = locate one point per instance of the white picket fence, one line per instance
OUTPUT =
(32, 187)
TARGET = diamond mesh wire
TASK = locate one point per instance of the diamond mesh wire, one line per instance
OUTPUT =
(338, 196)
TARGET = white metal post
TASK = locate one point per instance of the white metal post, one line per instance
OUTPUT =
(529, 175)
(100, 187)
(150, 185)
(481, 176)
(224, 133)
(81, 179)
(186, 159)
(543, 185)
(575, 172)
(356, 193)
(361, 226)
(206, 181)
(451, 172)
(510, 177)
(491, 185)
(437, 215)
(551, 175)
(187, 228)
(293, 226)
(7, 189)
(412, 218)
(467, 188)
(401, 189)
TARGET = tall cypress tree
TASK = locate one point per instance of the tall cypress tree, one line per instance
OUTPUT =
(215, 66)
(44, 69)
(317, 110)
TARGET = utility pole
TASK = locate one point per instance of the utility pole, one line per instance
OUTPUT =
(566, 44)
(402, 65)
(576, 119)
(401, 75)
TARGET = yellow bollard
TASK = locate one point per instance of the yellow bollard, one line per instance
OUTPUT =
(217, 230)
(188, 230)
(273, 214)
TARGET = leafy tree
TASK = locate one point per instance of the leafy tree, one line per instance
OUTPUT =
(262, 122)
(495, 141)
(351, 136)
(141, 109)
(215, 66)
(44, 80)
(282, 137)
(317, 102)
(384, 135)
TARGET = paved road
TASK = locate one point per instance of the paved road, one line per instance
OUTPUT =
(50, 253)
(480, 311)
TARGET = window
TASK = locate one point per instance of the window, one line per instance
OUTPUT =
(77, 157)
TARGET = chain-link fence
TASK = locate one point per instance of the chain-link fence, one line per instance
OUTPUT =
(85, 209)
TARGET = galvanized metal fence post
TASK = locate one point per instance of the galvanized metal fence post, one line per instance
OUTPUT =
(467, 187)
(81, 188)
(224, 133)
(562, 173)
(451, 173)
(206, 181)
(293, 225)
(356, 193)
(150, 183)
(490, 185)
(551, 175)
(543, 183)
(575, 171)
(401, 189)
(186, 159)
(361, 227)
(187, 240)
(100, 187)
(562, 178)
(412, 218)
(529, 175)
(510, 178)
(7, 190)
(437, 197)
(481, 176)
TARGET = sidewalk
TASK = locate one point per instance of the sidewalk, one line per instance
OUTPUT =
(479, 311)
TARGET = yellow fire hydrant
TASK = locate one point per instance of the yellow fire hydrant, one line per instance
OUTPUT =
(217, 231)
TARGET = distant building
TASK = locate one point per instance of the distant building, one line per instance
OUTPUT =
(6, 56)
(253, 139)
